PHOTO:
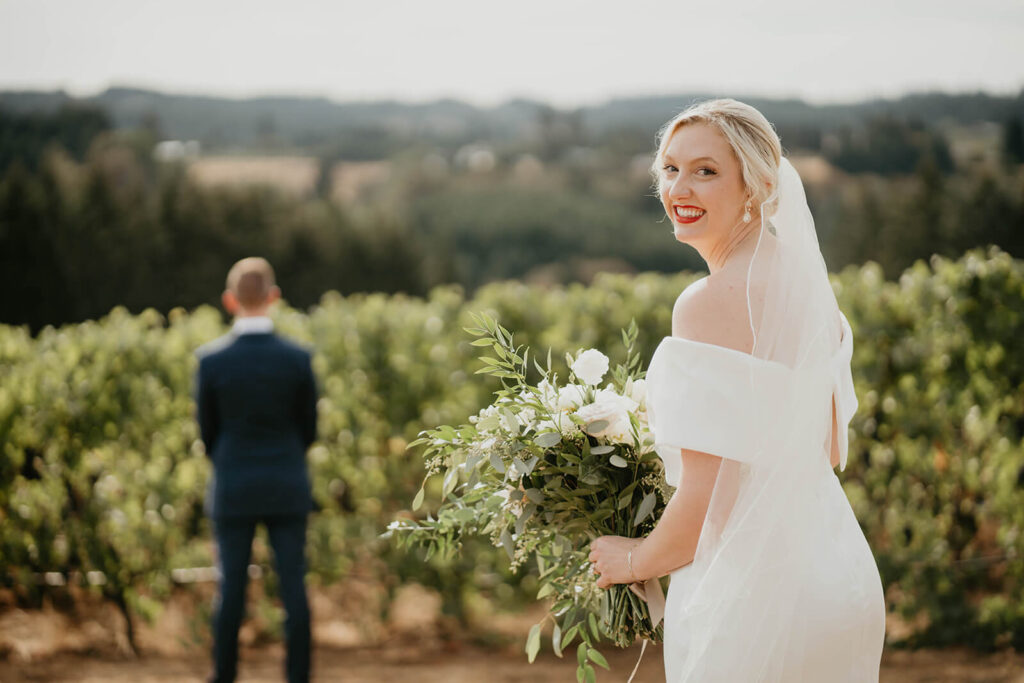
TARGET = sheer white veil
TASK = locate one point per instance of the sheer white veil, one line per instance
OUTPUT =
(799, 324)
(752, 560)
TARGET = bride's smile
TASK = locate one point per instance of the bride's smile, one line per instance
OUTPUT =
(688, 213)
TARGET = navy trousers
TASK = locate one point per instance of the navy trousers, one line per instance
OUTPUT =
(234, 548)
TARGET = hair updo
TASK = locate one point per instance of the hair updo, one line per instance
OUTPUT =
(752, 138)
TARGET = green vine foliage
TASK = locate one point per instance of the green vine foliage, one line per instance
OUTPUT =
(102, 476)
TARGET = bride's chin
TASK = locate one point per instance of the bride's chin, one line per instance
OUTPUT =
(682, 234)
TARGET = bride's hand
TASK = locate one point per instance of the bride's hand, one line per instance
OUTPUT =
(608, 557)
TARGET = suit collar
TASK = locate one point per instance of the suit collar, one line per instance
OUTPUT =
(258, 324)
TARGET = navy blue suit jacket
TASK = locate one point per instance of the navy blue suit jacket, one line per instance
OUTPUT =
(256, 404)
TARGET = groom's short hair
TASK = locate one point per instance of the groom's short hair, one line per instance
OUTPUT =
(251, 280)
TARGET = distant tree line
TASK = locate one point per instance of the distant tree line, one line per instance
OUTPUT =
(88, 220)
(888, 146)
(77, 240)
(896, 221)
(24, 137)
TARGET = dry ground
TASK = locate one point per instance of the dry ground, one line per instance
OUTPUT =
(465, 665)
(353, 643)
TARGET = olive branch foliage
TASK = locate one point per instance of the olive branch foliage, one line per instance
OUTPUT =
(538, 483)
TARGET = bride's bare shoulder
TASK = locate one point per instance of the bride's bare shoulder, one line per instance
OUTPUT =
(713, 310)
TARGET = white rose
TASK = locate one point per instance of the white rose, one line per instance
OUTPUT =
(590, 366)
(570, 397)
(612, 408)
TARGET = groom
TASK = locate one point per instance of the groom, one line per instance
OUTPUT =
(256, 406)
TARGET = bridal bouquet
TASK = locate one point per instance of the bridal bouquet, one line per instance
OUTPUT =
(543, 471)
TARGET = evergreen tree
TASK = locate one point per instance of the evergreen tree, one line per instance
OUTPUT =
(1013, 141)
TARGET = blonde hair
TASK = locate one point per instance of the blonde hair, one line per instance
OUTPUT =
(251, 280)
(752, 138)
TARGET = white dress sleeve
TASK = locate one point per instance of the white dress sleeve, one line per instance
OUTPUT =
(711, 399)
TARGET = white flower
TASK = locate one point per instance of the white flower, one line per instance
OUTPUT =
(570, 397)
(546, 426)
(487, 420)
(548, 392)
(560, 422)
(636, 389)
(526, 416)
(590, 366)
(613, 408)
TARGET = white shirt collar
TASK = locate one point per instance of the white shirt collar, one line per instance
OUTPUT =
(257, 324)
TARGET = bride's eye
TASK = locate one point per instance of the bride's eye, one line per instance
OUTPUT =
(669, 168)
(702, 169)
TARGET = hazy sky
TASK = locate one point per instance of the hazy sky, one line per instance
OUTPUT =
(565, 51)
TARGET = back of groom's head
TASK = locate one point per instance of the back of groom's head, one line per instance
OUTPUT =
(251, 283)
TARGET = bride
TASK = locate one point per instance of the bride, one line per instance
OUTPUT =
(749, 401)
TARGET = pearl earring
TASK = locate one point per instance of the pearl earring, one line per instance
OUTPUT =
(746, 212)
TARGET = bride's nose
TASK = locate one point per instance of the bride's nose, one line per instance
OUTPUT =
(680, 187)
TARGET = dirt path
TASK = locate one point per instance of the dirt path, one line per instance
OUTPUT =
(468, 665)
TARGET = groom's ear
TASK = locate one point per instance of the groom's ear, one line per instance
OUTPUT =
(230, 301)
(273, 295)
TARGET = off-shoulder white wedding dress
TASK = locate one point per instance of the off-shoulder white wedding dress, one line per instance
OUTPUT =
(783, 586)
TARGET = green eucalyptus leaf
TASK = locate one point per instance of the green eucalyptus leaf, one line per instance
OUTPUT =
(508, 543)
(618, 461)
(645, 509)
(451, 480)
(518, 468)
(598, 658)
(569, 635)
(489, 423)
(548, 439)
(533, 643)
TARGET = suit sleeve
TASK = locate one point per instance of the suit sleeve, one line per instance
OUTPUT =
(206, 409)
(308, 403)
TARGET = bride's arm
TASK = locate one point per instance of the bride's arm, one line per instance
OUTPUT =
(673, 542)
(708, 314)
